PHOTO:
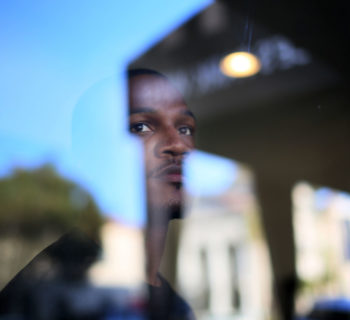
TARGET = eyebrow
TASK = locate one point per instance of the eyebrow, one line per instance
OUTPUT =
(151, 110)
(188, 113)
(142, 110)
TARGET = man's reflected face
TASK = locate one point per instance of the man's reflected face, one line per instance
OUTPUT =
(160, 117)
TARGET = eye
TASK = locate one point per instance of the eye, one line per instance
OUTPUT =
(187, 131)
(139, 127)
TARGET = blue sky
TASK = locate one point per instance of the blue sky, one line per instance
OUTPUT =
(55, 53)
(52, 51)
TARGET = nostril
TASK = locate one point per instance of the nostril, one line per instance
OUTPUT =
(175, 153)
(170, 152)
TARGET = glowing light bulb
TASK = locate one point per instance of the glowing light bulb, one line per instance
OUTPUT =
(240, 64)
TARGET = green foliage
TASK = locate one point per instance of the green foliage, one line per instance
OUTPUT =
(40, 200)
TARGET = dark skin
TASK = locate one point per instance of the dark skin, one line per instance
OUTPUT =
(161, 118)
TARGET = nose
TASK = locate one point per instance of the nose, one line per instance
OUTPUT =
(174, 144)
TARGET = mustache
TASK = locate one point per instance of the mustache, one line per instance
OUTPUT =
(170, 166)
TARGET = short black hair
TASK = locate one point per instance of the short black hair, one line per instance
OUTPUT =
(143, 71)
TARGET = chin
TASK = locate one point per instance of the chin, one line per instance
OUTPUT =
(174, 205)
(163, 211)
(165, 202)
(176, 213)
(172, 208)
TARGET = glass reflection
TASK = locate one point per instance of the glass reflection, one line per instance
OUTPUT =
(81, 259)
(162, 121)
(321, 224)
(60, 244)
(223, 266)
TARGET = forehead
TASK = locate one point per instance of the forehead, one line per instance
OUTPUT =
(154, 91)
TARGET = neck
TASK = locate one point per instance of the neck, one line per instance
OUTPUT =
(155, 237)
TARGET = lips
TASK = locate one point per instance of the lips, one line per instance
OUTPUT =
(172, 174)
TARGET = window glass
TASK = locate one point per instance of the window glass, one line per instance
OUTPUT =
(321, 225)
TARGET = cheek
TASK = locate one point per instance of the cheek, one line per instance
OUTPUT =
(190, 142)
(149, 153)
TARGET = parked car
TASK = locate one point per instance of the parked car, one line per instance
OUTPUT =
(329, 309)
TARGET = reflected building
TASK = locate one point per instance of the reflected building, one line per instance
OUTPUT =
(321, 225)
(223, 263)
(122, 259)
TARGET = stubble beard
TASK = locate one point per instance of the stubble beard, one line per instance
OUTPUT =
(164, 203)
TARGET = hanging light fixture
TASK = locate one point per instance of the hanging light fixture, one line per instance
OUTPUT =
(240, 64)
